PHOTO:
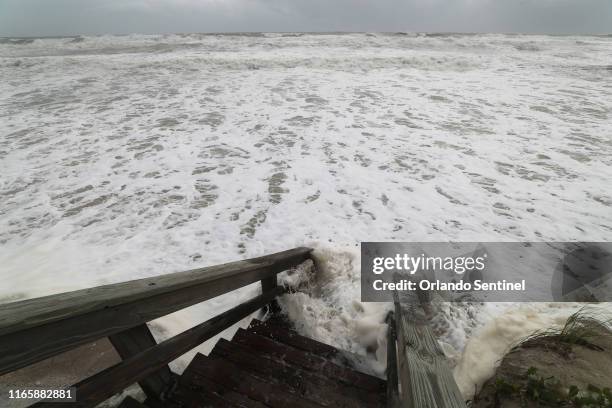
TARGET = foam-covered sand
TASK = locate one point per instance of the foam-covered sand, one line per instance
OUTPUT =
(123, 157)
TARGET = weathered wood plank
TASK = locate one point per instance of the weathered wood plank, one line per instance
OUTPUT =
(316, 376)
(35, 312)
(309, 361)
(281, 330)
(133, 341)
(292, 338)
(233, 377)
(198, 384)
(312, 387)
(103, 385)
(426, 380)
(35, 329)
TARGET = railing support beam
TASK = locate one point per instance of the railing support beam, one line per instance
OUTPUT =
(133, 341)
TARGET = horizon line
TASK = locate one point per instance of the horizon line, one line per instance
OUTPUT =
(322, 32)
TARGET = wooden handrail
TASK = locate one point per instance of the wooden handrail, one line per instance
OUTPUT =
(424, 376)
(107, 383)
(35, 329)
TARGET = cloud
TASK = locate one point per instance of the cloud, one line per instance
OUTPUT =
(66, 17)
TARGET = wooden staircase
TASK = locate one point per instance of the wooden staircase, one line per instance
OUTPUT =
(269, 365)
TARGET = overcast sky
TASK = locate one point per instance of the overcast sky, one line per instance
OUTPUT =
(71, 17)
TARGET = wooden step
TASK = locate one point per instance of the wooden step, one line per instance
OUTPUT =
(193, 385)
(309, 385)
(279, 330)
(292, 338)
(311, 364)
(309, 361)
(232, 376)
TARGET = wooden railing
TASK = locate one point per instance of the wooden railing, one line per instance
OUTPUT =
(32, 330)
(418, 375)
(36, 329)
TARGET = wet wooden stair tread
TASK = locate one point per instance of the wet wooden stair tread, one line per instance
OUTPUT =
(269, 365)
(280, 331)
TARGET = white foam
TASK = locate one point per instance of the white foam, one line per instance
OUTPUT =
(505, 325)
(328, 308)
(131, 156)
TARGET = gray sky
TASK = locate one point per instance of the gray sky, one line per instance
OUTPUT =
(71, 17)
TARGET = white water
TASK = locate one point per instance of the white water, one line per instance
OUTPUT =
(123, 157)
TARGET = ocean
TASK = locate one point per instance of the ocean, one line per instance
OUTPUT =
(123, 157)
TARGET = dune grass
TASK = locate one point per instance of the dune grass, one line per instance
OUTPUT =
(586, 327)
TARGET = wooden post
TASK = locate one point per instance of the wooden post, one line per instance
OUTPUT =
(267, 285)
(392, 381)
(133, 341)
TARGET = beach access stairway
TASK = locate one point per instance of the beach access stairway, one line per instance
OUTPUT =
(266, 365)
